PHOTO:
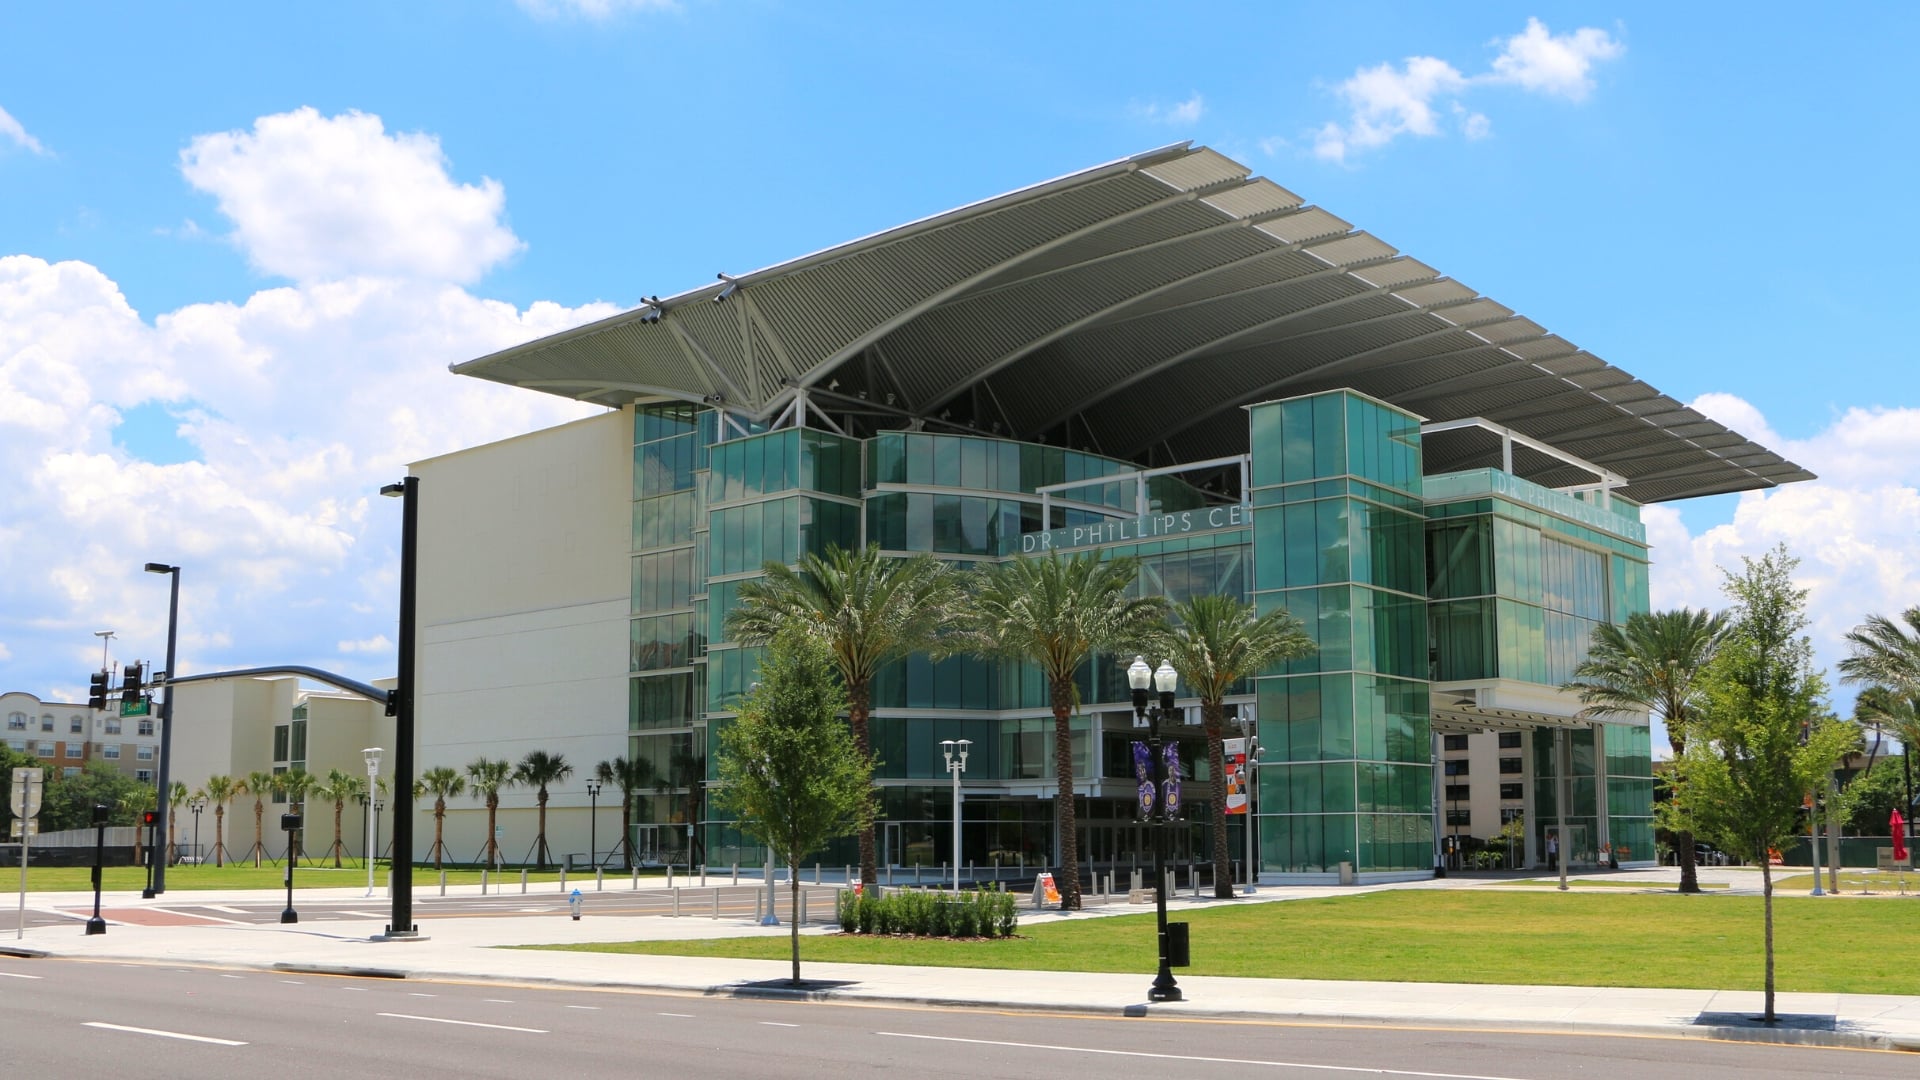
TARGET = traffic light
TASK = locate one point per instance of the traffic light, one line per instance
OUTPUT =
(130, 682)
(149, 818)
(97, 691)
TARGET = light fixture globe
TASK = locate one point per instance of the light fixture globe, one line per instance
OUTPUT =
(1164, 677)
(1139, 675)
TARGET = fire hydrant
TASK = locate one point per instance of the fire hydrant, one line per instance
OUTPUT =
(573, 904)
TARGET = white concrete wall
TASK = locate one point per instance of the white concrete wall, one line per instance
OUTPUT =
(523, 622)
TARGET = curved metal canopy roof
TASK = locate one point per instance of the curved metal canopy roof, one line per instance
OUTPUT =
(1132, 309)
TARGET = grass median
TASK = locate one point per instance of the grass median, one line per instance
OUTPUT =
(1463, 936)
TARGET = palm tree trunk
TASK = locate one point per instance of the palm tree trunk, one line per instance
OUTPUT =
(540, 857)
(1766, 892)
(1683, 849)
(859, 706)
(259, 836)
(1063, 801)
(439, 830)
(1214, 717)
(626, 829)
(493, 847)
(219, 833)
(337, 807)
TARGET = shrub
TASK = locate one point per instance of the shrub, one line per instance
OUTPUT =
(980, 913)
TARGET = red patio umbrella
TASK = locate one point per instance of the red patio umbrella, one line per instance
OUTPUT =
(1899, 825)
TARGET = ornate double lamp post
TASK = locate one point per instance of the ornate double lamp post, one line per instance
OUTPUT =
(956, 752)
(1159, 805)
(372, 757)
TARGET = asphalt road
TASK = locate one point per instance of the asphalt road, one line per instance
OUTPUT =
(75, 1019)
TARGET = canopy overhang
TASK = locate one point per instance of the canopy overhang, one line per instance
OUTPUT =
(1132, 309)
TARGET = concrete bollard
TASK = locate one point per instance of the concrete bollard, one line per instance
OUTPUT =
(443, 883)
(716, 903)
(599, 880)
(523, 881)
(800, 917)
(563, 879)
(483, 883)
(636, 880)
(736, 873)
(676, 903)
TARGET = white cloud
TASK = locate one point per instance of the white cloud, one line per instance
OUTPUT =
(378, 643)
(590, 9)
(5, 653)
(1385, 102)
(300, 400)
(1179, 114)
(11, 129)
(1855, 529)
(315, 198)
(1537, 61)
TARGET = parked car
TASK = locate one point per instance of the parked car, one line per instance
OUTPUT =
(1705, 854)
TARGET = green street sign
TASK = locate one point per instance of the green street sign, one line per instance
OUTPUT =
(140, 707)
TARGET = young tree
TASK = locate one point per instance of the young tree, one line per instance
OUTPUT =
(870, 608)
(295, 785)
(486, 778)
(1057, 613)
(442, 783)
(629, 777)
(789, 769)
(1214, 642)
(1653, 663)
(337, 788)
(537, 770)
(1761, 741)
(218, 790)
(135, 801)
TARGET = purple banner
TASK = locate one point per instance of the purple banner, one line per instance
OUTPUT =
(1171, 804)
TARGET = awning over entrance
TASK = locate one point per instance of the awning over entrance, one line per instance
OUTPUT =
(1467, 709)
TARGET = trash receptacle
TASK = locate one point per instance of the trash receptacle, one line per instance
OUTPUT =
(1346, 873)
(1178, 952)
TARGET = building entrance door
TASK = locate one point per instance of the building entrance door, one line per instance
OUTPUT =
(646, 844)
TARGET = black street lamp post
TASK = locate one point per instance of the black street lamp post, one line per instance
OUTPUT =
(593, 822)
(291, 823)
(1160, 807)
(166, 721)
(96, 925)
(400, 706)
(196, 806)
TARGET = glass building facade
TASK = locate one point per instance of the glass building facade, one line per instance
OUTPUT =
(1405, 582)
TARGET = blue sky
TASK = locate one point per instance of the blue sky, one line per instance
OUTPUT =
(239, 244)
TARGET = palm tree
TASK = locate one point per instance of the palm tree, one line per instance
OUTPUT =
(1057, 613)
(259, 785)
(138, 801)
(486, 778)
(537, 770)
(1214, 642)
(629, 777)
(295, 785)
(337, 788)
(177, 797)
(1653, 663)
(1881, 652)
(871, 611)
(218, 790)
(440, 782)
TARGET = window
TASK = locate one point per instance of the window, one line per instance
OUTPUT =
(69, 772)
(1454, 742)
(17, 744)
(146, 727)
(1510, 740)
(46, 722)
(75, 749)
(46, 749)
(111, 752)
(1457, 768)
(1511, 791)
(1462, 817)
(1511, 766)
(1510, 814)
(73, 726)
(280, 737)
(1459, 792)
(17, 721)
(113, 726)
(144, 753)
(144, 776)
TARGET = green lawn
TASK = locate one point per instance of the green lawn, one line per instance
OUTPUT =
(187, 877)
(1600, 883)
(1851, 881)
(1465, 936)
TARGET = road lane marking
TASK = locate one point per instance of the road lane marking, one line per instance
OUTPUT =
(1370, 1071)
(163, 1034)
(226, 976)
(775, 1023)
(595, 1008)
(292, 982)
(679, 1016)
(463, 1023)
(419, 994)
(17, 975)
(497, 1001)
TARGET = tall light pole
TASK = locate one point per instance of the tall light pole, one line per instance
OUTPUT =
(198, 804)
(956, 752)
(106, 639)
(593, 823)
(1159, 803)
(1249, 777)
(166, 719)
(372, 756)
(400, 707)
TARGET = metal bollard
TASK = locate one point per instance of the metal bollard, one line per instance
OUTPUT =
(676, 903)
(523, 881)
(443, 883)
(599, 880)
(483, 883)
(736, 873)
(636, 880)
(563, 879)
(716, 903)
(669, 875)
(703, 875)
(800, 917)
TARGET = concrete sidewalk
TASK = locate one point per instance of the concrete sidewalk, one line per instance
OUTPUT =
(467, 948)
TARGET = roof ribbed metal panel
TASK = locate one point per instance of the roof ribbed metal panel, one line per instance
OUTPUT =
(1133, 308)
